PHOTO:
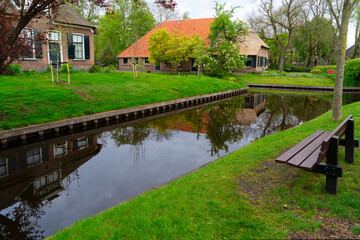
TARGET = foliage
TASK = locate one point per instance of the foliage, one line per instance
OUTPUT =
(107, 54)
(225, 35)
(275, 49)
(352, 72)
(329, 71)
(14, 69)
(39, 98)
(88, 9)
(324, 69)
(127, 23)
(315, 71)
(63, 68)
(293, 68)
(314, 40)
(173, 49)
(95, 68)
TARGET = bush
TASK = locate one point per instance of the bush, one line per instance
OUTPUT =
(63, 68)
(329, 71)
(293, 68)
(148, 71)
(352, 72)
(91, 70)
(14, 69)
(95, 68)
(324, 69)
(315, 71)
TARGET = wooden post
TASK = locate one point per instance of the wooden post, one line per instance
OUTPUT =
(332, 158)
(349, 142)
(52, 73)
(68, 70)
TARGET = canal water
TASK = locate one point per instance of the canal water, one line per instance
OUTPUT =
(48, 185)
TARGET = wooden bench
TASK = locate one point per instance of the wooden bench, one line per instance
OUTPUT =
(309, 153)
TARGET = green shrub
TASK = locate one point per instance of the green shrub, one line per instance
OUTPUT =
(95, 68)
(63, 68)
(315, 71)
(14, 69)
(352, 72)
(324, 69)
(148, 71)
(232, 79)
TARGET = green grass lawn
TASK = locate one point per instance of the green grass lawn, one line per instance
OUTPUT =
(286, 80)
(31, 99)
(244, 195)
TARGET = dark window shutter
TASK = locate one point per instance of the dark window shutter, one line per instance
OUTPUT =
(38, 44)
(90, 140)
(22, 160)
(12, 165)
(45, 154)
(71, 47)
(87, 46)
(75, 145)
(253, 62)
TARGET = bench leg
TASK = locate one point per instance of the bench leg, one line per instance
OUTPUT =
(332, 158)
(349, 142)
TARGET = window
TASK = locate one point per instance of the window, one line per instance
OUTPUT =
(27, 37)
(125, 61)
(82, 142)
(3, 167)
(78, 41)
(60, 149)
(33, 156)
(53, 36)
(46, 180)
(147, 61)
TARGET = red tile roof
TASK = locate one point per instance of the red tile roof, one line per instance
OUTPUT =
(187, 27)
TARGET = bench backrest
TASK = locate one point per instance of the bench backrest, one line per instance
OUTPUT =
(339, 131)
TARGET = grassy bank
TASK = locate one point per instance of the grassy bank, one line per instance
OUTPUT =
(32, 99)
(286, 80)
(244, 195)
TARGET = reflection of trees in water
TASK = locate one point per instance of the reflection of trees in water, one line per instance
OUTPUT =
(221, 131)
(21, 222)
(74, 176)
(350, 98)
(284, 111)
(216, 121)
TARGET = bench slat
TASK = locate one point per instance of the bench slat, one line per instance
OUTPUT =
(307, 151)
(339, 131)
(312, 160)
(285, 157)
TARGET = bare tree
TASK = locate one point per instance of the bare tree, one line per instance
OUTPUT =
(274, 20)
(342, 20)
(162, 14)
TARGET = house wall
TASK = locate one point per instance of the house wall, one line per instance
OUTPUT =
(185, 66)
(42, 63)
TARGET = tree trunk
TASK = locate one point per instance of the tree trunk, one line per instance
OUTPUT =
(282, 59)
(340, 61)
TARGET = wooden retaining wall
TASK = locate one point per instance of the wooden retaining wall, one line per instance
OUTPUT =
(67, 126)
(300, 88)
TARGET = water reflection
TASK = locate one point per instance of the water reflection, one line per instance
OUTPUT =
(47, 186)
(32, 178)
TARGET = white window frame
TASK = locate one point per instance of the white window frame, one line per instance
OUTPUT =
(34, 164)
(82, 139)
(6, 168)
(64, 145)
(59, 42)
(33, 44)
(146, 63)
(83, 46)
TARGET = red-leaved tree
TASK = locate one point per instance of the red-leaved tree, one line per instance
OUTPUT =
(12, 23)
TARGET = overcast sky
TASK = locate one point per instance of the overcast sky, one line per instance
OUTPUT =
(205, 9)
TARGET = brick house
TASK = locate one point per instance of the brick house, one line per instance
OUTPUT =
(256, 49)
(69, 38)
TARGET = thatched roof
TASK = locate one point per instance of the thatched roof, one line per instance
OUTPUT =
(252, 44)
(66, 15)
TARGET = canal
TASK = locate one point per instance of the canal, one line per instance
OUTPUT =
(46, 186)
